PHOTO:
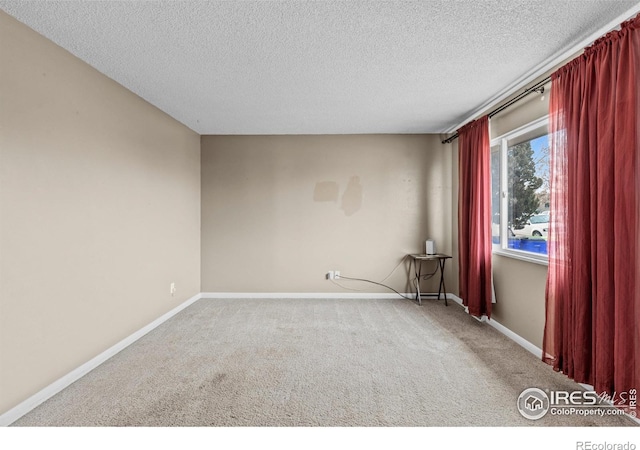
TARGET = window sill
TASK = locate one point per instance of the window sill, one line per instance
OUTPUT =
(522, 256)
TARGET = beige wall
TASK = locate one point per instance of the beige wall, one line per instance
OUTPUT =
(526, 110)
(278, 212)
(520, 287)
(99, 212)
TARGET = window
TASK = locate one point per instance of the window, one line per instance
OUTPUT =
(520, 192)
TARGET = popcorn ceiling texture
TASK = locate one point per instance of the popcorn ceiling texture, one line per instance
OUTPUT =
(330, 67)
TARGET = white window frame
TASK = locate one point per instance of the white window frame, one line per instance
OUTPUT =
(502, 248)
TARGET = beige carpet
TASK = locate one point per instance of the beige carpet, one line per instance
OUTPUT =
(302, 362)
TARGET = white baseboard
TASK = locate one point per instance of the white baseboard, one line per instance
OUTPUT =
(23, 408)
(504, 330)
(333, 295)
(300, 295)
(455, 298)
(516, 338)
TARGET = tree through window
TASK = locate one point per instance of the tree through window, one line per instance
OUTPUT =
(520, 189)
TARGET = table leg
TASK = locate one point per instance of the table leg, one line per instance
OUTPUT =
(418, 267)
(442, 285)
(415, 278)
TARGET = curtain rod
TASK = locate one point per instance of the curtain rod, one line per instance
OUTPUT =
(538, 87)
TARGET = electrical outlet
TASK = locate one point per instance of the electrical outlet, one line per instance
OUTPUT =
(172, 289)
(330, 275)
(336, 274)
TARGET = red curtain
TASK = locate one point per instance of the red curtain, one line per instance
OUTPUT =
(592, 295)
(474, 216)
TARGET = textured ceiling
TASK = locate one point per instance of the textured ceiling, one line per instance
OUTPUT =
(317, 67)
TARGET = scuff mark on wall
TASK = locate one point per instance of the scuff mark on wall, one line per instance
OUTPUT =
(326, 191)
(352, 197)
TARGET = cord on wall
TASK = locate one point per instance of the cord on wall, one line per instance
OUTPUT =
(380, 283)
(342, 277)
(344, 287)
(404, 258)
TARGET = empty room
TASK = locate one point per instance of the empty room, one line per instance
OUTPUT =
(324, 214)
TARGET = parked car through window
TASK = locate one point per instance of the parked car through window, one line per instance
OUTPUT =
(536, 226)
